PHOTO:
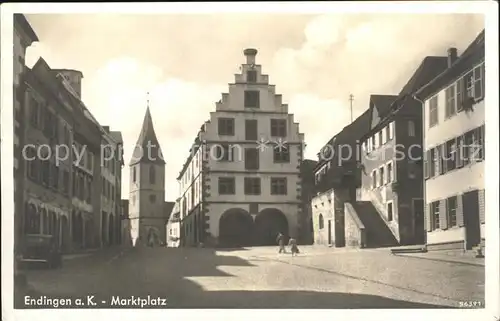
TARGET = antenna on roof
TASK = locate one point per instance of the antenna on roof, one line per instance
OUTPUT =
(351, 99)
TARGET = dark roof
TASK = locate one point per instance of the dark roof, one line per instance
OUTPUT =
(351, 132)
(147, 137)
(116, 136)
(23, 22)
(429, 68)
(473, 55)
(167, 208)
(382, 103)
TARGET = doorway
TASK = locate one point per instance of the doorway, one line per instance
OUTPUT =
(470, 201)
(418, 217)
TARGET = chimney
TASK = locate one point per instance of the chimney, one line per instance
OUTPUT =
(250, 53)
(452, 56)
(74, 79)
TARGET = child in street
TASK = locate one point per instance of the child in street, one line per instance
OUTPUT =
(293, 246)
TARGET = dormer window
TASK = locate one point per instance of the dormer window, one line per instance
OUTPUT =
(252, 76)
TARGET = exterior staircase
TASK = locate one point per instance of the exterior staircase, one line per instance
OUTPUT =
(377, 233)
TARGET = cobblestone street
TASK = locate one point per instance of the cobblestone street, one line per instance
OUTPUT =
(261, 278)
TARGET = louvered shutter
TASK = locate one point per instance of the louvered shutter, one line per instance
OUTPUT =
(426, 164)
(460, 211)
(460, 151)
(428, 217)
(438, 159)
(461, 94)
(482, 205)
(443, 217)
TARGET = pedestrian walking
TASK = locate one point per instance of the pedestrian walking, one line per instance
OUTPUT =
(293, 246)
(281, 242)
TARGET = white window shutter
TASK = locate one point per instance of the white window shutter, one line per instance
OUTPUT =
(384, 136)
(391, 130)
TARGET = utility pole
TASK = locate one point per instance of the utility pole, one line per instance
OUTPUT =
(351, 99)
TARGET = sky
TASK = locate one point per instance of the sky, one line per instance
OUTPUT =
(186, 61)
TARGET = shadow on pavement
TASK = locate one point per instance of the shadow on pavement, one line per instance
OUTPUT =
(166, 273)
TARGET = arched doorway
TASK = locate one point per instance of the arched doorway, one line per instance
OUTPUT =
(235, 228)
(153, 238)
(111, 229)
(64, 233)
(268, 224)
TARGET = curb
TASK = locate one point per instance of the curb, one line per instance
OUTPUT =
(442, 260)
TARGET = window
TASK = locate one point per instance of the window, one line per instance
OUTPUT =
(251, 158)
(388, 132)
(380, 140)
(478, 82)
(54, 176)
(134, 174)
(224, 153)
(252, 185)
(433, 111)
(391, 130)
(152, 175)
(411, 128)
(374, 142)
(278, 127)
(321, 222)
(469, 84)
(412, 169)
(251, 76)
(390, 173)
(450, 157)
(389, 212)
(435, 215)
(281, 153)
(437, 160)
(152, 198)
(65, 182)
(384, 135)
(226, 185)
(374, 179)
(451, 211)
(251, 129)
(278, 186)
(450, 108)
(252, 99)
(382, 181)
(45, 172)
(33, 164)
(226, 126)
(34, 113)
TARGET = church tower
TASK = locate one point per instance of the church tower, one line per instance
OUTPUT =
(147, 188)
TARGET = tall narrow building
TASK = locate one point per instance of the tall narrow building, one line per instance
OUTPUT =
(147, 188)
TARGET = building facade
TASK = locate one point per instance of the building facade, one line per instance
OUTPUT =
(147, 213)
(111, 148)
(306, 229)
(24, 36)
(173, 227)
(454, 145)
(337, 176)
(241, 184)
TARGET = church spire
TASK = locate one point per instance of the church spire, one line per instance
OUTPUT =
(147, 137)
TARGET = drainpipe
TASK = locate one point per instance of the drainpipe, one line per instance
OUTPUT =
(423, 155)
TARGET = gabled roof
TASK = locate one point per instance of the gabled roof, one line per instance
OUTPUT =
(147, 149)
(382, 103)
(167, 208)
(351, 132)
(429, 68)
(473, 55)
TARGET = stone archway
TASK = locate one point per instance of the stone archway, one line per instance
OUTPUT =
(153, 237)
(236, 228)
(268, 224)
